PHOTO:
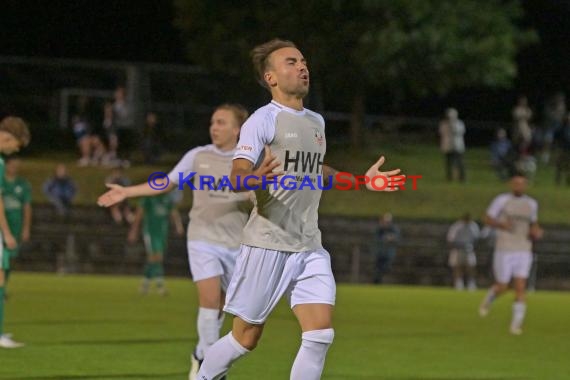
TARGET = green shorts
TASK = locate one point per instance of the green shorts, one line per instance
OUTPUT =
(5, 258)
(155, 244)
(12, 252)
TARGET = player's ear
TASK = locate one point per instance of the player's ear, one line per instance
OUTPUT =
(270, 79)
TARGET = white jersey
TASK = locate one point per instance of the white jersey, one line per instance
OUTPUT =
(521, 212)
(463, 235)
(217, 215)
(285, 220)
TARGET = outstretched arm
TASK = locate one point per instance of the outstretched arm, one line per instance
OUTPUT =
(118, 193)
(366, 179)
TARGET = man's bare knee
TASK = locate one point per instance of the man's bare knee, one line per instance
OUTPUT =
(246, 334)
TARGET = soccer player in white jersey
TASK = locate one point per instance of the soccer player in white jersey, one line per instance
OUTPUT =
(216, 223)
(515, 217)
(281, 251)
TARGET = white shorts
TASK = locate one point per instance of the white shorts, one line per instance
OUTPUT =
(209, 260)
(262, 276)
(507, 265)
(462, 258)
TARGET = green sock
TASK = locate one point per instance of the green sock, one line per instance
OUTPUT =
(6, 276)
(1, 309)
(147, 271)
(159, 270)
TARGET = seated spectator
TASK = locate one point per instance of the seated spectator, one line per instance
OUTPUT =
(82, 135)
(109, 135)
(503, 155)
(151, 146)
(60, 190)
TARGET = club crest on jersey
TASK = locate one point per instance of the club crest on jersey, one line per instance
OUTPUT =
(319, 137)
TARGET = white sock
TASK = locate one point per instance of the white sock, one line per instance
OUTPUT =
(220, 357)
(221, 320)
(490, 297)
(519, 311)
(310, 359)
(459, 285)
(471, 285)
(208, 330)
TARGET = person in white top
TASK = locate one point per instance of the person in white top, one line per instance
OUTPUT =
(281, 250)
(452, 144)
(461, 238)
(217, 218)
(515, 217)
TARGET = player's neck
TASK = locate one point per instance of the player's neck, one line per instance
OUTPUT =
(10, 177)
(226, 147)
(290, 101)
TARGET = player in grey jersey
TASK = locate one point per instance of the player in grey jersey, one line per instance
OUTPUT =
(281, 252)
(515, 216)
(217, 219)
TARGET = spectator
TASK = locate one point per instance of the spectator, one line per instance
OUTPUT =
(562, 142)
(60, 190)
(522, 133)
(82, 135)
(461, 238)
(109, 135)
(388, 237)
(123, 121)
(151, 146)
(82, 123)
(555, 113)
(503, 156)
(120, 212)
(452, 144)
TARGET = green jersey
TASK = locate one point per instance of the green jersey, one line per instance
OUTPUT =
(156, 217)
(4, 255)
(16, 194)
(2, 171)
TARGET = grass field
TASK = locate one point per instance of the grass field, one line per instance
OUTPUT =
(435, 199)
(98, 327)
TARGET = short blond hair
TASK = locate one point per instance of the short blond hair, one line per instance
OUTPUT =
(260, 56)
(17, 127)
(239, 111)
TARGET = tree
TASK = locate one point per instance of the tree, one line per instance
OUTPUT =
(401, 46)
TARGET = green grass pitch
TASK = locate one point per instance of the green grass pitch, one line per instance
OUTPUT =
(99, 327)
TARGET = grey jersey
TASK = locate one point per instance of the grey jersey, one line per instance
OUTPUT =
(522, 212)
(285, 220)
(217, 216)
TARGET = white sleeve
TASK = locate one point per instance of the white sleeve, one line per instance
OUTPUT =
(184, 166)
(534, 211)
(452, 232)
(460, 128)
(257, 131)
(475, 230)
(497, 206)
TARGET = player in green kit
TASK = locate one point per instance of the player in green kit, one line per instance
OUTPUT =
(155, 213)
(17, 198)
(14, 134)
